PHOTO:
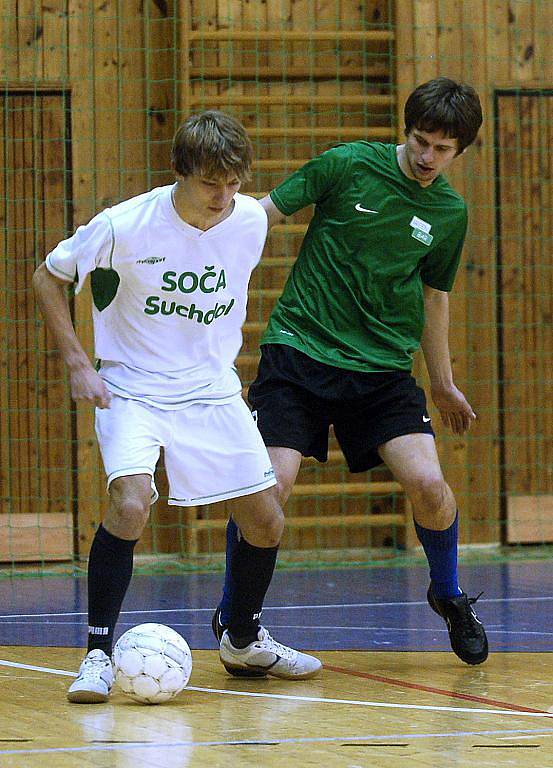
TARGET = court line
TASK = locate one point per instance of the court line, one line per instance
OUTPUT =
(520, 738)
(430, 689)
(309, 628)
(376, 704)
(259, 742)
(523, 634)
(319, 700)
(380, 628)
(33, 668)
(325, 606)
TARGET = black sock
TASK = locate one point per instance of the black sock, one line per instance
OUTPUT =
(110, 567)
(233, 536)
(252, 570)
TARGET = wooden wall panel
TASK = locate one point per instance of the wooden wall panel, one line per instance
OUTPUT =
(36, 422)
(525, 279)
(80, 64)
(110, 128)
(29, 40)
(132, 111)
(54, 38)
(96, 50)
(52, 400)
(161, 87)
(523, 18)
(489, 43)
(301, 76)
(8, 42)
(4, 308)
(135, 69)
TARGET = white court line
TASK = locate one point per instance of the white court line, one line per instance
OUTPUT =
(376, 704)
(432, 630)
(313, 699)
(520, 738)
(490, 630)
(51, 671)
(325, 606)
(271, 742)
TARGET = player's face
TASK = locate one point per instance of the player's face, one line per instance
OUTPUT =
(206, 200)
(426, 155)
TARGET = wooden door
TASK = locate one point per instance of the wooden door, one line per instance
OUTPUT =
(525, 310)
(36, 420)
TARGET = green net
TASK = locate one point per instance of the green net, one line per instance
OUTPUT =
(91, 96)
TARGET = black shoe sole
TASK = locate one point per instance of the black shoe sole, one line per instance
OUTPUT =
(218, 630)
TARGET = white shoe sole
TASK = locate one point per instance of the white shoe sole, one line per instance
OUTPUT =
(278, 660)
(242, 671)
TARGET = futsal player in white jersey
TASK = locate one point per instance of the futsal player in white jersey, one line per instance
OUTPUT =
(169, 273)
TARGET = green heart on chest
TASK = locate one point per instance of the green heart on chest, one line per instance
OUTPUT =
(104, 284)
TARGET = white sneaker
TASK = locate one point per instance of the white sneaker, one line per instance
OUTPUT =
(268, 656)
(94, 680)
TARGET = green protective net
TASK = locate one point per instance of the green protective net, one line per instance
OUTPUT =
(91, 96)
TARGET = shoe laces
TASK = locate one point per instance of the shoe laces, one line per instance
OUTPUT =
(467, 618)
(93, 665)
(473, 600)
(269, 643)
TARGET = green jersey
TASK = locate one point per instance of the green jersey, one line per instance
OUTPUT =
(354, 298)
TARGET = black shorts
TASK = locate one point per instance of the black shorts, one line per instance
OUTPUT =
(298, 398)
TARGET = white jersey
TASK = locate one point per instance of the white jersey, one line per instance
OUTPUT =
(169, 299)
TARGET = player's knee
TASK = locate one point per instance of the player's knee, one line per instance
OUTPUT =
(277, 527)
(264, 527)
(283, 489)
(271, 527)
(431, 497)
(128, 516)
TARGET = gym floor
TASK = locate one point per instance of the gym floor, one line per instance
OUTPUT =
(391, 690)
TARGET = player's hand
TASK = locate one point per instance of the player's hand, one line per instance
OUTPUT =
(455, 411)
(87, 385)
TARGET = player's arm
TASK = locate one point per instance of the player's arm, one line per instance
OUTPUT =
(51, 295)
(455, 410)
(308, 185)
(273, 214)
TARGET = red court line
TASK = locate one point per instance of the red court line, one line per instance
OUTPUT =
(428, 689)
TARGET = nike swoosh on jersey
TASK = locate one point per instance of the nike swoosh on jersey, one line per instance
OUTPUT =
(360, 208)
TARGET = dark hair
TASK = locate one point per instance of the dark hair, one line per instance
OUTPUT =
(444, 105)
(212, 144)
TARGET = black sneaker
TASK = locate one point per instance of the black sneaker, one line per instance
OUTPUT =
(466, 633)
(218, 630)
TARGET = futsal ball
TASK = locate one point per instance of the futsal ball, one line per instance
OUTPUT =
(152, 663)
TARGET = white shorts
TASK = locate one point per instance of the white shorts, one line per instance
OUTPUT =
(212, 452)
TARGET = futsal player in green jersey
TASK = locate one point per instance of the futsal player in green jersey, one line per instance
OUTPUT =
(369, 287)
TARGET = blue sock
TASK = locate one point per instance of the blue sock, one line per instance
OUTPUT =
(232, 543)
(440, 548)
